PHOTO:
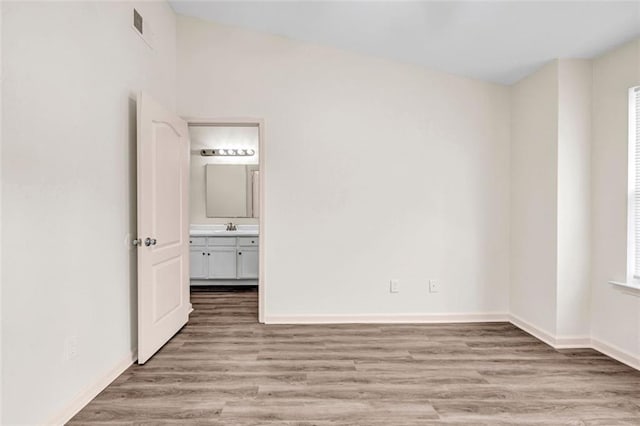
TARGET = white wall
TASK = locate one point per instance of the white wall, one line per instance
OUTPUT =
(534, 177)
(615, 313)
(550, 200)
(1, 314)
(210, 137)
(374, 170)
(71, 74)
(574, 198)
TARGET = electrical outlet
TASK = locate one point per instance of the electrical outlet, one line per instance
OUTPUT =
(394, 286)
(434, 286)
(71, 348)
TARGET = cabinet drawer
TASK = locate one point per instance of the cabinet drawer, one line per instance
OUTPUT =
(197, 241)
(248, 241)
(222, 241)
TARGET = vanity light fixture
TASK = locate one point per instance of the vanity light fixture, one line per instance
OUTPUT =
(219, 152)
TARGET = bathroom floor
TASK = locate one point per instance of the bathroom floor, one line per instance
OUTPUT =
(224, 368)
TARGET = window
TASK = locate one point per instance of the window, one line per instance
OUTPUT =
(633, 220)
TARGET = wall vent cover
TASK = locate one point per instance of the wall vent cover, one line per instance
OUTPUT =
(137, 21)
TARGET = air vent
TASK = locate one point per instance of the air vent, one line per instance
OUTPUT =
(142, 28)
(137, 22)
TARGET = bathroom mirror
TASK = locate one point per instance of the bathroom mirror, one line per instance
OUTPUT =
(232, 190)
(224, 181)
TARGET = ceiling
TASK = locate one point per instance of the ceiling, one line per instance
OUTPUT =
(497, 41)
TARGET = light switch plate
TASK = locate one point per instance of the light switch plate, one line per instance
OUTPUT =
(434, 286)
(71, 348)
(394, 286)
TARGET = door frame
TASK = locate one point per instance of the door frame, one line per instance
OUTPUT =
(259, 122)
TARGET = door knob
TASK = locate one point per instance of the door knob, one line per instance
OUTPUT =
(150, 241)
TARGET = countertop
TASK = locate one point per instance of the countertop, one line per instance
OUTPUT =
(220, 231)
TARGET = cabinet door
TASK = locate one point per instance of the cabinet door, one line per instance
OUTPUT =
(222, 262)
(198, 258)
(248, 262)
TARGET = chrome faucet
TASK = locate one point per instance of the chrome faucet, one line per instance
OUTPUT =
(231, 227)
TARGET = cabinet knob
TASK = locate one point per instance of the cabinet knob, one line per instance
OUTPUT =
(253, 242)
(208, 254)
(240, 253)
(203, 254)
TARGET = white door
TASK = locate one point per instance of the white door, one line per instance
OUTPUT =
(163, 226)
(222, 262)
(248, 262)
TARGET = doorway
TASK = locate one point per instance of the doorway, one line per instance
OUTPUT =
(167, 245)
(226, 200)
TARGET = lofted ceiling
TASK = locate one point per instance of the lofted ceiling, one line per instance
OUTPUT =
(498, 41)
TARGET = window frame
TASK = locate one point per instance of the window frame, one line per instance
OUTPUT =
(632, 191)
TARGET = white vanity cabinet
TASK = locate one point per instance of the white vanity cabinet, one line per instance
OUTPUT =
(198, 257)
(224, 258)
(198, 263)
(247, 257)
(222, 263)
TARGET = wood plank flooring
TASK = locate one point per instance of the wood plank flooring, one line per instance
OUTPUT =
(224, 368)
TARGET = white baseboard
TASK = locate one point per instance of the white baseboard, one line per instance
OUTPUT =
(574, 342)
(616, 353)
(84, 397)
(387, 318)
(536, 332)
(556, 342)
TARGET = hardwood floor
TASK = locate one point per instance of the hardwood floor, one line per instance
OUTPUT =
(224, 368)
